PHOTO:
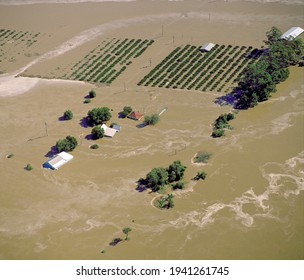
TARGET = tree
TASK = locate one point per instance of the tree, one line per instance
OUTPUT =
(28, 167)
(68, 144)
(218, 133)
(156, 178)
(152, 120)
(126, 231)
(272, 35)
(126, 111)
(98, 115)
(176, 171)
(92, 93)
(201, 175)
(178, 185)
(68, 115)
(97, 132)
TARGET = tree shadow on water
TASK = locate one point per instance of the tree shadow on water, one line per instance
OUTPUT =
(84, 122)
(115, 241)
(142, 185)
(53, 151)
(230, 98)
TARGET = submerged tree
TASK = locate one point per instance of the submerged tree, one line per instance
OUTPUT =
(98, 116)
(176, 171)
(126, 231)
(68, 144)
(97, 132)
(68, 115)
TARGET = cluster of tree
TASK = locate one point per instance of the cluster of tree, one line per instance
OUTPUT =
(98, 116)
(159, 176)
(68, 144)
(152, 120)
(259, 79)
(221, 123)
(68, 115)
(126, 111)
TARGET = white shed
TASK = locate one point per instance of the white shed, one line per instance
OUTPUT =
(207, 47)
(292, 33)
(109, 132)
(58, 160)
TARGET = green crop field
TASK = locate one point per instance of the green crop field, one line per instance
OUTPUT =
(186, 67)
(15, 43)
(104, 63)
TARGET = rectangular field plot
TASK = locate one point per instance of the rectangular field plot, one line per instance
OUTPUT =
(16, 44)
(104, 63)
(186, 67)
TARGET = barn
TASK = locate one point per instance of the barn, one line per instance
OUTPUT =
(292, 33)
(58, 160)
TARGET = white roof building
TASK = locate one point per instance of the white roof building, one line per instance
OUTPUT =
(207, 47)
(109, 132)
(58, 160)
(292, 33)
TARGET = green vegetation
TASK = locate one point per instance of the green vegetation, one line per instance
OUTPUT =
(165, 202)
(68, 115)
(152, 120)
(104, 63)
(10, 155)
(188, 68)
(202, 156)
(178, 186)
(126, 111)
(28, 167)
(94, 146)
(11, 41)
(97, 132)
(68, 144)
(201, 175)
(159, 177)
(126, 231)
(87, 100)
(221, 123)
(98, 116)
(92, 94)
(258, 81)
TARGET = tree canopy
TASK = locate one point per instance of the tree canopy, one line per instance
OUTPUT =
(68, 144)
(126, 111)
(68, 115)
(152, 120)
(176, 171)
(99, 116)
(259, 79)
(97, 132)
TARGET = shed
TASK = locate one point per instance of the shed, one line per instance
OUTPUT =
(292, 33)
(58, 160)
(116, 127)
(109, 132)
(135, 115)
(207, 47)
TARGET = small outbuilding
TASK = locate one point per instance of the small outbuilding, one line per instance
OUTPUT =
(58, 160)
(292, 33)
(207, 47)
(108, 131)
(116, 127)
(135, 115)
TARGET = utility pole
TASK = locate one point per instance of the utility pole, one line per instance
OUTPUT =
(162, 30)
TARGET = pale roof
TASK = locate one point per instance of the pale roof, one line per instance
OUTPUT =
(292, 33)
(207, 47)
(109, 132)
(58, 160)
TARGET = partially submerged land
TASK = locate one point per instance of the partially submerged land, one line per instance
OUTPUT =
(146, 61)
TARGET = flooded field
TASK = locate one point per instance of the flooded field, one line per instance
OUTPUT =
(249, 207)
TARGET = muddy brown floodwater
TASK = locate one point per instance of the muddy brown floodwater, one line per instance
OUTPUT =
(249, 207)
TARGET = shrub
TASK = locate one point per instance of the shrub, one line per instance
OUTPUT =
(87, 100)
(28, 167)
(218, 133)
(94, 146)
(68, 115)
(92, 93)
(152, 120)
(202, 156)
(178, 185)
(126, 111)
(201, 175)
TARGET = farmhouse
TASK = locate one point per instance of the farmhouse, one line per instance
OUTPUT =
(135, 116)
(292, 33)
(58, 160)
(109, 132)
(207, 47)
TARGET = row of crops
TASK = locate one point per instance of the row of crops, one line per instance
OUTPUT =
(188, 68)
(14, 43)
(107, 61)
